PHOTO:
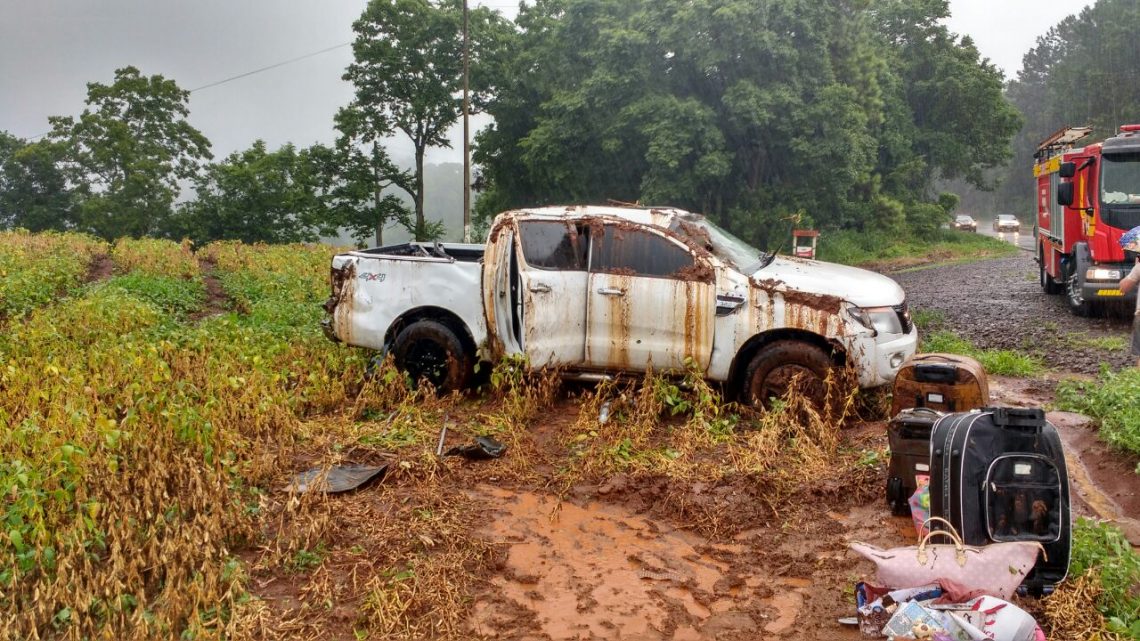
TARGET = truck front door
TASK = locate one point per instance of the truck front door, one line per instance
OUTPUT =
(552, 300)
(651, 301)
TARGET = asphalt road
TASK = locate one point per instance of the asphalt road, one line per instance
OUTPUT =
(1024, 239)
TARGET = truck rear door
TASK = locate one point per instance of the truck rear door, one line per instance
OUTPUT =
(651, 302)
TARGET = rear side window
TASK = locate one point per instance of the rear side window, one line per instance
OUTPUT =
(635, 252)
(550, 244)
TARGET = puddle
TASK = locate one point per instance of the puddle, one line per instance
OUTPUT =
(600, 572)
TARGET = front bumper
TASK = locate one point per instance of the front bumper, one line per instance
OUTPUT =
(873, 356)
(1102, 290)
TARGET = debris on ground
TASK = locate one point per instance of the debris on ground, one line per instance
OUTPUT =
(335, 479)
(482, 448)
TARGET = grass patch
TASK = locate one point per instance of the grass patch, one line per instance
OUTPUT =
(928, 320)
(945, 245)
(1113, 400)
(174, 295)
(1002, 362)
(1105, 343)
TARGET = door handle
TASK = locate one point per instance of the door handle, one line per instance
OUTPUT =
(539, 287)
(611, 291)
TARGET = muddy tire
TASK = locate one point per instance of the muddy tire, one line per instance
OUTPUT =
(1074, 296)
(429, 350)
(1048, 284)
(773, 368)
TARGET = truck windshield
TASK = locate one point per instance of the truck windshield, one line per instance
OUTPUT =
(1120, 179)
(734, 252)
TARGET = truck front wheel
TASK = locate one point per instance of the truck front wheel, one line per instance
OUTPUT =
(429, 350)
(1074, 294)
(771, 372)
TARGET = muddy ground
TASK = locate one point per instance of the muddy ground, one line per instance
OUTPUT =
(636, 556)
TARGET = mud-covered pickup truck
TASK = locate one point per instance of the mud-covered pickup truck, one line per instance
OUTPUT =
(599, 291)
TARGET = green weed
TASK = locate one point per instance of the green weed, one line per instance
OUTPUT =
(1002, 362)
(859, 248)
(928, 320)
(1113, 400)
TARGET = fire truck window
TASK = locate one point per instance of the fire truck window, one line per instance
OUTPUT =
(1120, 179)
(550, 244)
(636, 252)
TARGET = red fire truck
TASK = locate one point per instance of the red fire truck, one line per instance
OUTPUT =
(1086, 198)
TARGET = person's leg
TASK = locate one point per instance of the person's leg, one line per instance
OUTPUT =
(1136, 338)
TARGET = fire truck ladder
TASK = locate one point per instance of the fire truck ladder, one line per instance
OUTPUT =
(1059, 141)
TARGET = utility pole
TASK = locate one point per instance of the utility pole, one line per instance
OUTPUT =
(466, 134)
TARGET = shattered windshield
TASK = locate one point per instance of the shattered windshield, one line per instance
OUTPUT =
(1120, 179)
(734, 252)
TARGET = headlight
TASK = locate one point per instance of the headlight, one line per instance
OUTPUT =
(883, 320)
(1102, 274)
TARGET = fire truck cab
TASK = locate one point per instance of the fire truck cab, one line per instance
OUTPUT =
(1086, 199)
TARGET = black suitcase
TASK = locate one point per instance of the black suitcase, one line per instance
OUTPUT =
(909, 436)
(998, 474)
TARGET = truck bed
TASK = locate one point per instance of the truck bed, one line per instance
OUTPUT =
(461, 252)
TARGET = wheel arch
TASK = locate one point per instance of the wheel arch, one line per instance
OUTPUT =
(753, 345)
(438, 314)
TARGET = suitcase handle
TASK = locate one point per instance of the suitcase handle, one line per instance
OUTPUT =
(1027, 418)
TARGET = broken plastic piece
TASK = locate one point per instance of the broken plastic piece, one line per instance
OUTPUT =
(604, 413)
(484, 447)
(340, 478)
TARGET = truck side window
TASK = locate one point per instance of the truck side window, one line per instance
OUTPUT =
(552, 244)
(636, 252)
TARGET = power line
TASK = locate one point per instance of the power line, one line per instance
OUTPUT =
(246, 74)
(272, 66)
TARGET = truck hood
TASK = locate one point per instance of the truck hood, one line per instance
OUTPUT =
(858, 286)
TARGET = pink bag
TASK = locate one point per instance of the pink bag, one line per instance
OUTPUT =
(996, 569)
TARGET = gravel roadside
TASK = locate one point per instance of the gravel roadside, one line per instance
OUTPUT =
(999, 304)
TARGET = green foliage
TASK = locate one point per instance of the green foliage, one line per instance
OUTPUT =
(1104, 548)
(35, 269)
(127, 152)
(752, 112)
(858, 248)
(34, 193)
(258, 196)
(304, 560)
(1113, 400)
(173, 295)
(1002, 362)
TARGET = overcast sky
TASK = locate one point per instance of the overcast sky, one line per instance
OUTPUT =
(49, 49)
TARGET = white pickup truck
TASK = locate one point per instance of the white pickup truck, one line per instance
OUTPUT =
(599, 291)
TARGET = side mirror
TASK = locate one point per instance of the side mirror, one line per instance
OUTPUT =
(1065, 194)
(1068, 169)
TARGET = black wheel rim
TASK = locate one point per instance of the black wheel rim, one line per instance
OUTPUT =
(428, 360)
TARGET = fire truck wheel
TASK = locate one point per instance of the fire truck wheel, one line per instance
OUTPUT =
(1048, 284)
(1076, 298)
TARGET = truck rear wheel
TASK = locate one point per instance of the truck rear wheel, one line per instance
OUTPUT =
(773, 369)
(1048, 284)
(429, 350)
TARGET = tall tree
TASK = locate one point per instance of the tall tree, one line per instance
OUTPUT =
(127, 152)
(754, 112)
(360, 177)
(257, 195)
(33, 188)
(1083, 71)
(407, 72)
